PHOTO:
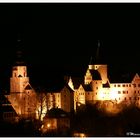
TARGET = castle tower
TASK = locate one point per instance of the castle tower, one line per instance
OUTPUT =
(19, 78)
(99, 66)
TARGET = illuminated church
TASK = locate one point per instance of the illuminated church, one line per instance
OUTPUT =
(75, 91)
(22, 96)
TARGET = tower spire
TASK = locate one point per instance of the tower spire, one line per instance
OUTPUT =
(19, 51)
(97, 52)
(90, 62)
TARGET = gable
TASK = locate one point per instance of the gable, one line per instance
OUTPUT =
(136, 78)
(81, 88)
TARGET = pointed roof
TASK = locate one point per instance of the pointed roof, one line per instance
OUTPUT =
(97, 52)
(91, 60)
(98, 56)
(136, 77)
(19, 53)
(5, 105)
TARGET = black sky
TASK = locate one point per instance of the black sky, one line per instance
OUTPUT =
(60, 38)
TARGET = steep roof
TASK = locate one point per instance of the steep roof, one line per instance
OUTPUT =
(99, 55)
(19, 58)
(5, 105)
(95, 75)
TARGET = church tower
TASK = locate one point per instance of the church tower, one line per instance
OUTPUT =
(19, 78)
(97, 65)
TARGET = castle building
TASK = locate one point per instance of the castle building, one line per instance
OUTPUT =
(98, 87)
(94, 86)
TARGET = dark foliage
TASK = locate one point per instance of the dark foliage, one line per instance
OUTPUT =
(94, 123)
(24, 128)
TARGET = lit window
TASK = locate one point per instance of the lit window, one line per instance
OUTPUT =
(48, 125)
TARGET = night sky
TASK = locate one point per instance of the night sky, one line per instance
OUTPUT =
(59, 39)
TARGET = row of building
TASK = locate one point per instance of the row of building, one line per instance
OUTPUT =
(74, 91)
